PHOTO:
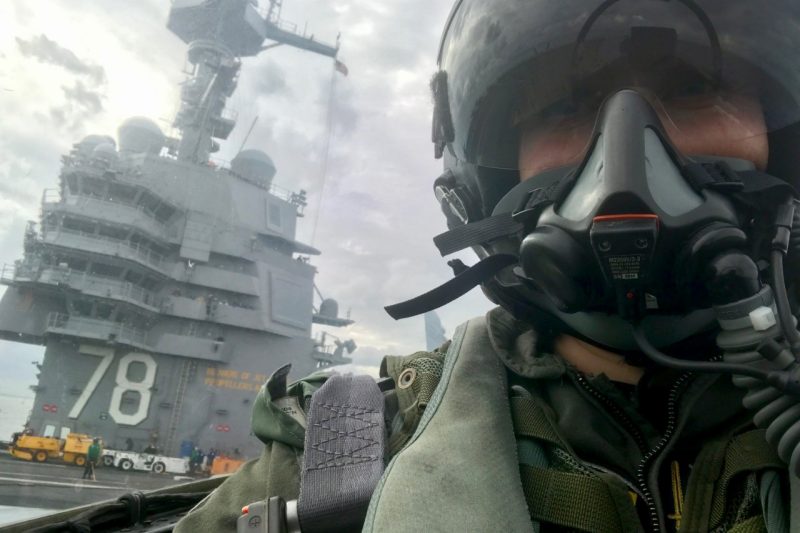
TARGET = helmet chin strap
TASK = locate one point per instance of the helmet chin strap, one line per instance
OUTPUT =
(466, 278)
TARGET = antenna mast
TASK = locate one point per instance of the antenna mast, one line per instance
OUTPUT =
(219, 33)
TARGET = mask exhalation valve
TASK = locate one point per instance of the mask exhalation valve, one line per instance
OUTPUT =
(623, 246)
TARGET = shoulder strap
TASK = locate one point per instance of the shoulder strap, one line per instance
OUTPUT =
(343, 460)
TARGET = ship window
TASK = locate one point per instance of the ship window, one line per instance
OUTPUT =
(77, 225)
(99, 269)
(104, 311)
(72, 183)
(120, 193)
(93, 187)
(274, 221)
(82, 308)
(114, 233)
(72, 263)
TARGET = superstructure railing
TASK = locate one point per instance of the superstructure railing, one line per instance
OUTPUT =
(83, 202)
(125, 249)
(96, 328)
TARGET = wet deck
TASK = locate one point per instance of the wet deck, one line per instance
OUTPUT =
(58, 486)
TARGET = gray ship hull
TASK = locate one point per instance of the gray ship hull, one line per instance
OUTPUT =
(91, 388)
(165, 286)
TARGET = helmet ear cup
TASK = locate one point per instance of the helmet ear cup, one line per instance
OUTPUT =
(557, 265)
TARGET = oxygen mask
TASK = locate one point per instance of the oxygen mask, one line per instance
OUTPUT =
(630, 228)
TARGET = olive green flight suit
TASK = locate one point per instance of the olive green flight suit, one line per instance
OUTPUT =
(493, 434)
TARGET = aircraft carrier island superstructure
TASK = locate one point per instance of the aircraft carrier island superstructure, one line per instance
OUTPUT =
(167, 288)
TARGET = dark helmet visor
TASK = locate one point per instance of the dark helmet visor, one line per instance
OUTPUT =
(514, 64)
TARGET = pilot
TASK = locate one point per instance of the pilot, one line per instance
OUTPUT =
(625, 171)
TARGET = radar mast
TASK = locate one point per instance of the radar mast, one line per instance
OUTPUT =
(219, 33)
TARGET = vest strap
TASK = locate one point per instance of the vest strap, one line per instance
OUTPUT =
(748, 452)
(551, 495)
(715, 466)
(530, 420)
(574, 501)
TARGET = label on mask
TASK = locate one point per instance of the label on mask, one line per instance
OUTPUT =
(625, 267)
(289, 405)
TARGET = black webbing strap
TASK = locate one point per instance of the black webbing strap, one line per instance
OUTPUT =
(452, 289)
(765, 191)
(474, 233)
(343, 459)
(536, 200)
(751, 187)
(522, 205)
(717, 175)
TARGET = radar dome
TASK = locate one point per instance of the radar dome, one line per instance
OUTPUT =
(105, 153)
(329, 308)
(254, 165)
(140, 135)
(88, 143)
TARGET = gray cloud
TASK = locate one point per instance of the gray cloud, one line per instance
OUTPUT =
(49, 51)
(271, 79)
(91, 102)
(345, 109)
(80, 105)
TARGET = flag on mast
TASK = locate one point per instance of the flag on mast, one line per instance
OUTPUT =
(341, 67)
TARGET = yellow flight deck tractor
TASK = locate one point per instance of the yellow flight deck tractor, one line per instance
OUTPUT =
(71, 450)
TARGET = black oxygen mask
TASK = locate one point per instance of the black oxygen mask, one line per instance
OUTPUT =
(628, 233)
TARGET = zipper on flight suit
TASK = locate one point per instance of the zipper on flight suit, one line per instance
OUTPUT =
(652, 506)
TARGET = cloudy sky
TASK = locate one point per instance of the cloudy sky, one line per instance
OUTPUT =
(73, 67)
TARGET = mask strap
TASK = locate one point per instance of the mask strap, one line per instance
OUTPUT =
(750, 187)
(521, 208)
(475, 233)
(452, 289)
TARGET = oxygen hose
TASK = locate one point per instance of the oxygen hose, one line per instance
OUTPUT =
(773, 409)
(767, 369)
